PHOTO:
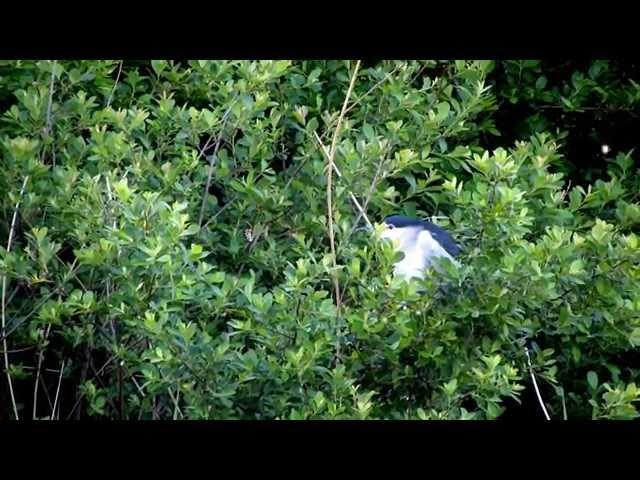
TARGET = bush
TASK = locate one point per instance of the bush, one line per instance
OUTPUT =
(170, 256)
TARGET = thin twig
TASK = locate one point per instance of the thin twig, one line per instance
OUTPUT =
(13, 294)
(215, 215)
(50, 102)
(102, 384)
(4, 297)
(96, 374)
(360, 98)
(51, 293)
(225, 117)
(415, 77)
(154, 412)
(564, 192)
(46, 392)
(135, 382)
(330, 160)
(55, 401)
(535, 384)
(70, 273)
(115, 85)
(587, 108)
(335, 168)
(35, 386)
(564, 407)
(175, 400)
(367, 93)
(19, 350)
(295, 173)
(226, 205)
(372, 187)
(109, 291)
(49, 107)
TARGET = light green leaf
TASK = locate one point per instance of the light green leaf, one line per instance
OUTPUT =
(158, 66)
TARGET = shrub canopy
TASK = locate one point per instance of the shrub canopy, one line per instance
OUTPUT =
(164, 245)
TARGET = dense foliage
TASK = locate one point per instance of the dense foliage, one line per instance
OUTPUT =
(165, 250)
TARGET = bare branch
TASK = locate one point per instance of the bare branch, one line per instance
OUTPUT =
(372, 187)
(535, 384)
(330, 160)
(368, 92)
(222, 209)
(51, 293)
(46, 392)
(109, 289)
(225, 117)
(3, 304)
(176, 403)
(97, 374)
(55, 401)
(18, 350)
(50, 102)
(564, 408)
(335, 168)
(35, 386)
(48, 126)
(115, 85)
(135, 382)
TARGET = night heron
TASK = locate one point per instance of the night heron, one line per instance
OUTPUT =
(423, 244)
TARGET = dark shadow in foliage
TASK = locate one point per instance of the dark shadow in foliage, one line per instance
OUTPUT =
(587, 130)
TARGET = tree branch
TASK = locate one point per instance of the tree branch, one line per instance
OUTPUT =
(115, 85)
(55, 402)
(335, 168)
(4, 297)
(48, 127)
(212, 161)
(330, 160)
(535, 385)
(35, 386)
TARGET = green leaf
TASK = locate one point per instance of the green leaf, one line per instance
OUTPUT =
(158, 66)
(567, 103)
(451, 387)
(443, 111)
(576, 267)
(122, 190)
(217, 277)
(541, 82)
(600, 231)
(150, 321)
(368, 132)
(592, 380)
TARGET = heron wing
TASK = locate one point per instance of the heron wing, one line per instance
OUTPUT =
(443, 238)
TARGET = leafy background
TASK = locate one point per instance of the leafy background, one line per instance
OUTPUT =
(165, 249)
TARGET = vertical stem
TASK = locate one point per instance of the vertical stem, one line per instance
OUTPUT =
(3, 313)
(49, 106)
(330, 167)
(55, 402)
(35, 387)
(535, 385)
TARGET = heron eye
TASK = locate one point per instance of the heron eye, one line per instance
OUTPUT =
(390, 227)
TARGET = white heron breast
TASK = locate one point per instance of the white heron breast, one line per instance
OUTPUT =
(420, 250)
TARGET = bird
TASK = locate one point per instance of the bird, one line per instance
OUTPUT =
(422, 242)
